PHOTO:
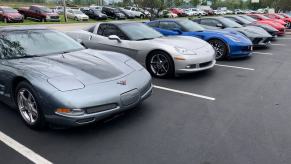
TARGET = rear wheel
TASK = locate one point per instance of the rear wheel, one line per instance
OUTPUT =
(160, 64)
(220, 48)
(27, 103)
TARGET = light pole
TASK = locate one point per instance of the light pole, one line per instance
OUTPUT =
(65, 10)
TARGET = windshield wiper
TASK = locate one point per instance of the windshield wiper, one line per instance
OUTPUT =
(145, 39)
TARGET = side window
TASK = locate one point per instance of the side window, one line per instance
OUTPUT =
(154, 24)
(110, 30)
(209, 22)
(169, 25)
(101, 29)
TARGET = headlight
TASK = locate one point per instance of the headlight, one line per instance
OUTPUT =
(184, 51)
(70, 112)
(233, 38)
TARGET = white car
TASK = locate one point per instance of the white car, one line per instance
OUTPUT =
(136, 12)
(60, 9)
(189, 12)
(162, 56)
(77, 15)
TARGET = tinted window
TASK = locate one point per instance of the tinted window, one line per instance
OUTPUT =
(139, 31)
(169, 25)
(209, 22)
(17, 44)
(109, 29)
(190, 26)
(153, 24)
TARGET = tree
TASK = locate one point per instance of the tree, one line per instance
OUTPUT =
(195, 2)
(153, 6)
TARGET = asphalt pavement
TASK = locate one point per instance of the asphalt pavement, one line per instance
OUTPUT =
(236, 113)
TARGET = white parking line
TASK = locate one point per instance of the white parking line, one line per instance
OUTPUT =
(230, 66)
(278, 44)
(26, 152)
(283, 38)
(262, 53)
(184, 93)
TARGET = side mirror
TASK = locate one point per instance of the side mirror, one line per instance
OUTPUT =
(219, 25)
(114, 37)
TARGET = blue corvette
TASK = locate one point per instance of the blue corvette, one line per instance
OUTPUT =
(227, 44)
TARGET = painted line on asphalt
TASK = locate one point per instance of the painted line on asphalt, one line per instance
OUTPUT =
(278, 44)
(185, 93)
(283, 38)
(230, 66)
(262, 53)
(26, 152)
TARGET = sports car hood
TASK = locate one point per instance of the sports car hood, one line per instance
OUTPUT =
(181, 41)
(86, 67)
(251, 31)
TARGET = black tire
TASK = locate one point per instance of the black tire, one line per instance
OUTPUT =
(39, 120)
(220, 48)
(160, 64)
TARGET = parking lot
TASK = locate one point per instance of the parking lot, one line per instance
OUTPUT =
(236, 113)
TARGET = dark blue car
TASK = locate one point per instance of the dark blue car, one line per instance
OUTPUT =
(227, 44)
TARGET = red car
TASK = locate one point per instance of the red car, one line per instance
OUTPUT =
(40, 13)
(179, 12)
(8, 14)
(280, 17)
(265, 20)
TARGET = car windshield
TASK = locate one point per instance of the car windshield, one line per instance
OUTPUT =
(9, 10)
(97, 11)
(248, 18)
(45, 10)
(30, 43)
(77, 12)
(139, 31)
(229, 23)
(280, 16)
(244, 21)
(264, 17)
(190, 26)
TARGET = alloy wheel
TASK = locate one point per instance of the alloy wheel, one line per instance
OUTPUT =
(159, 65)
(27, 106)
(219, 48)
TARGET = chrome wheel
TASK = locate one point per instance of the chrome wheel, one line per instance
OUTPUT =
(27, 106)
(219, 48)
(159, 65)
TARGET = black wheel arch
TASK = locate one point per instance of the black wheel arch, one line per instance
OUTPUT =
(217, 38)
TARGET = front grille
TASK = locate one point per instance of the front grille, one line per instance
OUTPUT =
(206, 64)
(257, 40)
(100, 108)
(246, 48)
(54, 17)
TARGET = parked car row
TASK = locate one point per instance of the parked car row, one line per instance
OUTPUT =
(91, 74)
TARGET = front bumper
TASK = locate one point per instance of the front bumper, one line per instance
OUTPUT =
(193, 63)
(15, 20)
(237, 51)
(261, 42)
(99, 103)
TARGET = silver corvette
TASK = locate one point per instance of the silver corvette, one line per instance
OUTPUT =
(162, 56)
(51, 78)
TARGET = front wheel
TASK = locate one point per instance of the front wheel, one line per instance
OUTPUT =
(220, 48)
(160, 64)
(27, 103)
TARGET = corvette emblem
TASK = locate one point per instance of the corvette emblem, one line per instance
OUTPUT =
(122, 82)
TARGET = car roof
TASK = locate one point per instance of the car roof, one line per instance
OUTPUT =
(21, 28)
